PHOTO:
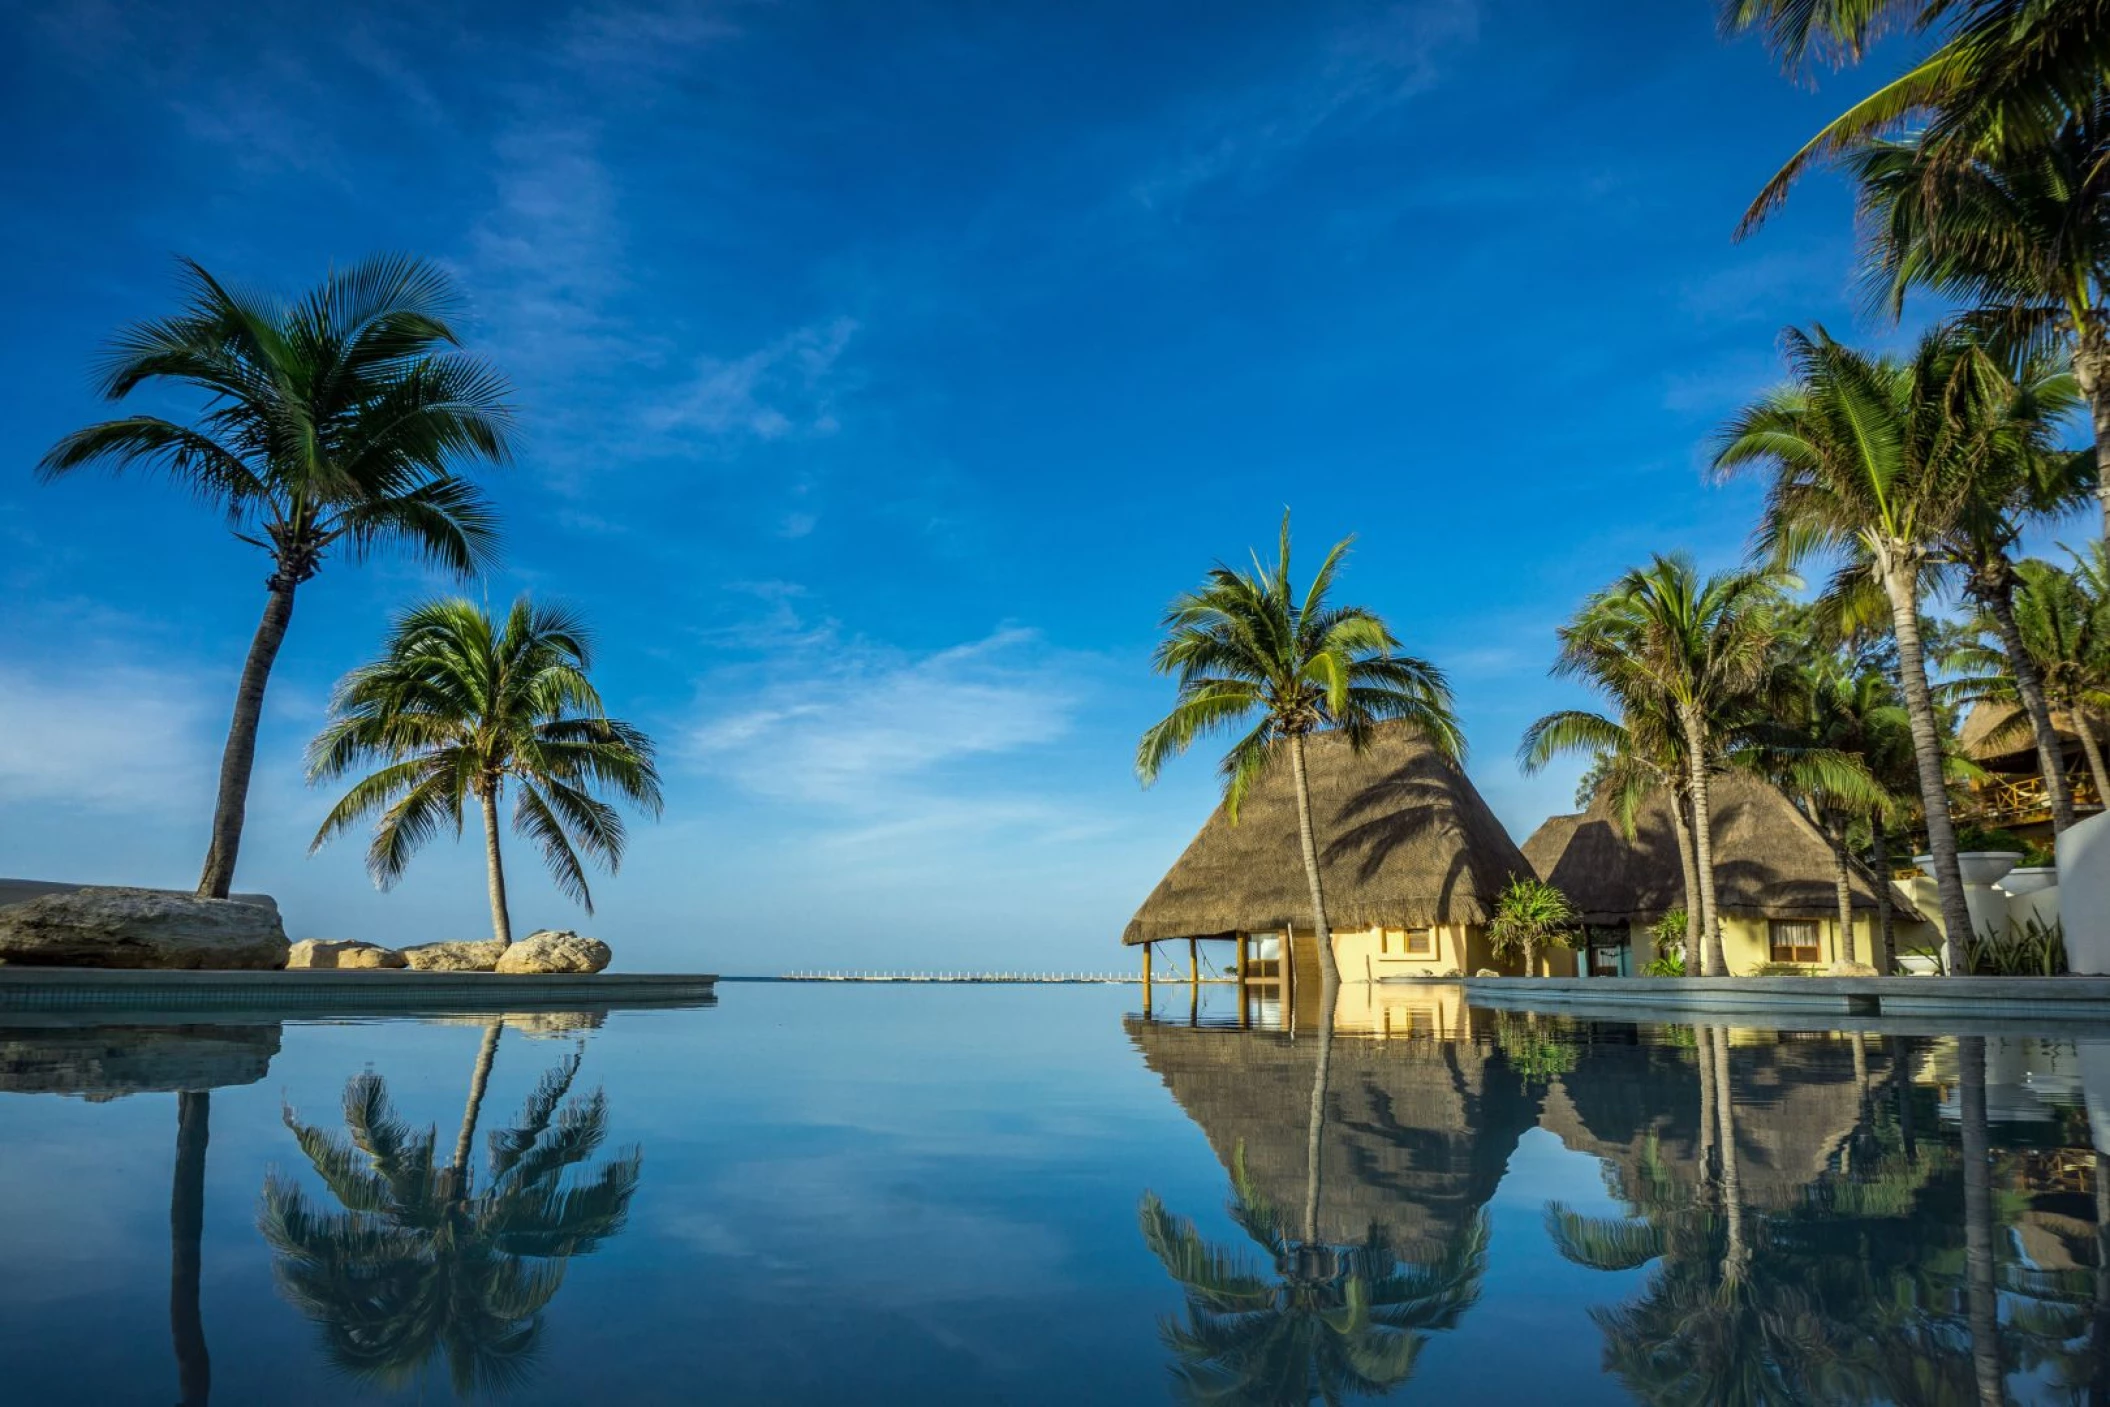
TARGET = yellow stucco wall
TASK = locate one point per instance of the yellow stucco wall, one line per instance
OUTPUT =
(1747, 942)
(1461, 950)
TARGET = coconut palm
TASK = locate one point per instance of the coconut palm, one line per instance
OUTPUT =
(1689, 650)
(423, 1263)
(331, 424)
(456, 709)
(1869, 461)
(1530, 914)
(2022, 233)
(186, 1262)
(1246, 649)
(1631, 759)
(1319, 1322)
(2064, 629)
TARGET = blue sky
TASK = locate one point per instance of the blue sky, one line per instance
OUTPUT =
(884, 370)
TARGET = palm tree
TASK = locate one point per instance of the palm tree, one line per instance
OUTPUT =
(1245, 644)
(1633, 759)
(332, 424)
(2064, 630)
(186, 1233)
(2022, 233)
(1530, 914)
(423, 1263)
(1689, 650)
(1328, 1322)
(1869, 460)
(457, 707)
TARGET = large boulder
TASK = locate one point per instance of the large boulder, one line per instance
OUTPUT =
(341, 955)
(149, 928)
(555, 950)
(463, 956)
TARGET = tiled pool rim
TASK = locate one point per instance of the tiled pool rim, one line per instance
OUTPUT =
(74, 988)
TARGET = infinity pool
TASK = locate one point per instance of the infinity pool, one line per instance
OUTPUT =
(829, 1193)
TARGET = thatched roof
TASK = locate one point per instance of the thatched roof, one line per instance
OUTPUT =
(1769, 861)
(1997, 732)
(1417, 1134)
(1404, 841)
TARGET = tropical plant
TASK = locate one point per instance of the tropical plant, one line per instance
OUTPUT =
(1669, 935)
(1531, 914)
(422, 1262)
(1318, 1322)
(2064, 628)
(1689, 651)
(455, 709)
(1867, 458)
(1245, 648)
(335, 423)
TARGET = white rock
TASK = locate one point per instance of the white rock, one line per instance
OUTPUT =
(147, 928)
(460, 956)
(555, 950)
(327, 953)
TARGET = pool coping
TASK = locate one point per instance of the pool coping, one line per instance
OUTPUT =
(2059, 998)
(346, 993)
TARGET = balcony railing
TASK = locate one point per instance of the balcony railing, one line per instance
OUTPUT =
(2021, 800)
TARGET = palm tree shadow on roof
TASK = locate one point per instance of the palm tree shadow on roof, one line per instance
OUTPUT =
(1413, 803)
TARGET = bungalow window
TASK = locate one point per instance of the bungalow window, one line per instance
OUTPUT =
(1406, 942)
(1795, 940)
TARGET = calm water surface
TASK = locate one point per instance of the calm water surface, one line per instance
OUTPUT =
(987, 1194)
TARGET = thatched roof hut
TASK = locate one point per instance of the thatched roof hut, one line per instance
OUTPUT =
(1417, 1135)
(1769, 861)
(1405, 841)
(1997, 736)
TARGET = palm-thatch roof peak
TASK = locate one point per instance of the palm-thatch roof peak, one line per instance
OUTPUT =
(1405, 841)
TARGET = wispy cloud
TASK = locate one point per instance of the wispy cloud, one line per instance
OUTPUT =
(109, 738)
(783, 389)
(1357, 73)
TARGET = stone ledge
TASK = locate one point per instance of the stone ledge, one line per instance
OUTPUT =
(347, 992)
(2067, 998)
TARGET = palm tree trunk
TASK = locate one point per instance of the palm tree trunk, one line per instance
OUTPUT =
(1329, 969)
(1886, 943)
(1713, 963)
(1984, 1300)
(1998, 594)
(1734, 1254)
(186, 1230)
(1703, 1048)
(1681, 827)
(1842, 885)
(1329, 991)
(239, 756)
(501, 921)
(464, 1142)
(2092, 748)
(1899, 584)
(2091, 368)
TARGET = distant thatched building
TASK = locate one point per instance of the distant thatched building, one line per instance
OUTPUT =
(1411, 858)
(2013, 796)
(1773, 879)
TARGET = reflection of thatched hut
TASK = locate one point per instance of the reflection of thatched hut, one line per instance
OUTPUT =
(1417, 1133)
(1412, 860)
(1998, 738)
(1797, 1102)
(1773, 879)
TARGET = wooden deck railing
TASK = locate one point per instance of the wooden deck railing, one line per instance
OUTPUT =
(2011, 801)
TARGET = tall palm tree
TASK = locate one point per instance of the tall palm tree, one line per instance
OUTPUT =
(1868, 460)
(333, 423)
(1688, 649)
(458, 707)
(1246, 648)
(186, 1232)
(2023, 233)
(2065, 632)
(424, 1263)
(1633, 759)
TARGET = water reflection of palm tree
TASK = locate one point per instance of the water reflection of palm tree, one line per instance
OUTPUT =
(1322, 1321)
(422, 1262)
(1319, 1321)
(186, 1231)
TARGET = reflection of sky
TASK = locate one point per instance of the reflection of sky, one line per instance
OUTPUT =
(872, 1194)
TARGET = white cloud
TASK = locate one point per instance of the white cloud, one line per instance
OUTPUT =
(117, 738)
(785, 388)
(858, 723)
(1362, 71)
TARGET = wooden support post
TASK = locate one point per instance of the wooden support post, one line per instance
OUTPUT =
(1289, 976)
(1245, 950)
(1148, 948)
(1194, 965)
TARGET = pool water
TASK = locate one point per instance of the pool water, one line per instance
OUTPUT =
(829, 1193)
